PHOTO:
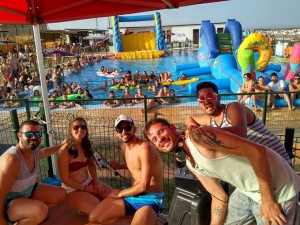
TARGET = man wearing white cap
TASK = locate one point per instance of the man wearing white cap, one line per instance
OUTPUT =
(145, 197)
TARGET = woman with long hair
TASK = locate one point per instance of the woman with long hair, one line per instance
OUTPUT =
(78, 170)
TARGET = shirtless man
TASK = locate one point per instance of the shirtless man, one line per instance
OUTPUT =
(247, 87)
(295, 87)
(145, 197)
(260, 88)
(137, 76)
(7, 80)
(127, 94)
(128, 76)
(164, 92)
(266, 186)
(112, 102)
(15, 65)
(139, 94)
(234, 118)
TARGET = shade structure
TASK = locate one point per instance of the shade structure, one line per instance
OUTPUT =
(35, 12)
(45, 11)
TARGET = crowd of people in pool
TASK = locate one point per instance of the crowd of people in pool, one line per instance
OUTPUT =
(20, 79)
(266, 186)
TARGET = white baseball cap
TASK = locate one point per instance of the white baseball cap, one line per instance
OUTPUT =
(125, 118)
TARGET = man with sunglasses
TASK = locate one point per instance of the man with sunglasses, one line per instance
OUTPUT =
(266, 186)
(295, 87)
(145, 197)
(22, 200)
(233, 117)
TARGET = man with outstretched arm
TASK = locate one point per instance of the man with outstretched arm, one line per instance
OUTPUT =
(22, 200)
(234, 118)
(266, 186)
(145, 197)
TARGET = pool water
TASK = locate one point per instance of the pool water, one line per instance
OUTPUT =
(88, 74)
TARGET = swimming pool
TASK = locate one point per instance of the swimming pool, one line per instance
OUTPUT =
(88, 74)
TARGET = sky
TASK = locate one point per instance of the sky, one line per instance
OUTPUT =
(252, 14)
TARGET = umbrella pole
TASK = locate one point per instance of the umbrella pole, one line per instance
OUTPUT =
(40, 59)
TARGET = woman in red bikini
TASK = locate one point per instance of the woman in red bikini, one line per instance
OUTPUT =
(78, 171)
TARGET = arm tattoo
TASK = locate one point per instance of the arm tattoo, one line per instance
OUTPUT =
(217, 211)
(207, 136)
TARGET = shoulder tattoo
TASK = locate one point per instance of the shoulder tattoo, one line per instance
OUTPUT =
(208, 137)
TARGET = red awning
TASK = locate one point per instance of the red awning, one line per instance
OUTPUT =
(51, 11)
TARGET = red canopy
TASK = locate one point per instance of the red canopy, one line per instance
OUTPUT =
(51, 11)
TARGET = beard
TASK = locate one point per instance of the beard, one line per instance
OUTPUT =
(30, 144)
(127, 139)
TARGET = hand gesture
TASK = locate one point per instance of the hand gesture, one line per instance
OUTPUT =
(272, 213)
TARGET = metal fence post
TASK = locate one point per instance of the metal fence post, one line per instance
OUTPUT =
(145, 108)
(264, 114)
(27, 108)
(15, 124)
(289, 140)
(46, 140)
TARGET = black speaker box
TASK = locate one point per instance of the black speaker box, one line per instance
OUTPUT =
(191, 202)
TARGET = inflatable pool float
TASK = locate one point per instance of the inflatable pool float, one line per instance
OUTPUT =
(257, 42)
(99, 73)
(181, 82)
(122, 87)
(70, 97)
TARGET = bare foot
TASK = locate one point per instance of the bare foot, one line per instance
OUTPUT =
(292, 108)
(273, 107)
(143, 110)
(257, 109)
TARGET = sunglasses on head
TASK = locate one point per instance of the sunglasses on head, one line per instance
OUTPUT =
(209, 96)
(30, 134)
(119, 130)
(76, 127)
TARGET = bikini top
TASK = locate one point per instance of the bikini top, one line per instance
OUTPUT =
(77, 165)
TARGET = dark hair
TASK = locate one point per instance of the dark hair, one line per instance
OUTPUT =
(153, 121)
(111, 92)
(86, 143)
(260, 77)
(207, 84)
(274, 74)
(248, 75)
(29, 122)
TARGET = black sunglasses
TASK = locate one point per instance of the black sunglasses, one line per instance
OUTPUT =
(76, 127)
(30, 134)
(119, 130)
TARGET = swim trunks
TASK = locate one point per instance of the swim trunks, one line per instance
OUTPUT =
(134, 203)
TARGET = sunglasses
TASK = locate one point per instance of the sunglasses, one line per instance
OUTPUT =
(296, 78)
(209, 96)
(119, 130)
(30, 134)
(76, 127)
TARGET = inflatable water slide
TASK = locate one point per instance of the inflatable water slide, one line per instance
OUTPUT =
(211, 45)
(226, 56)
(138, 45)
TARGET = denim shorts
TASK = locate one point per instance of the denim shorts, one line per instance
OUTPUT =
(242, 210)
